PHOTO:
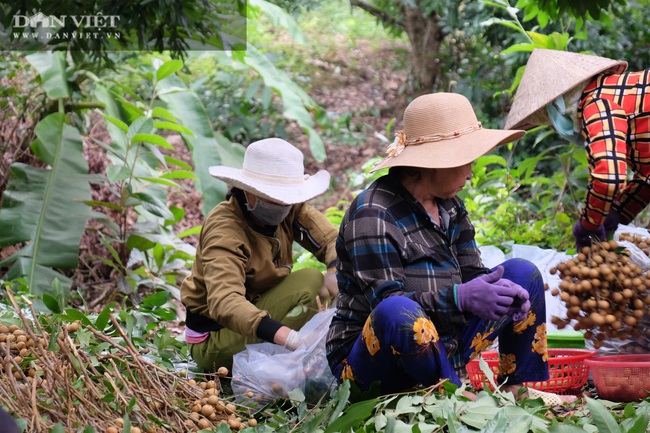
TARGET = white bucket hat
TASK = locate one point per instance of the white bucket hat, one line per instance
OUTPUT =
(273, 169)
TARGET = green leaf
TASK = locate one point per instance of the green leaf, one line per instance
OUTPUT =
(103, 318)
(178, 174)
(109, 97)
(117, 122)
(160, 180)
(158, 299)
(562, 428)
(141, 125)
(353, 416)
(107, 204)
(173, 127)
(153, 205)
(58, 428)
(279, 17)
(178, 163)
(296, 103)
(51, 67)
(189, 232)
(72, 315)
(640, 425)
(51, 303)
(603, 420)
(187, 107)
(341, 400)
(168, 68)
(111, 249)
(44, 207)
(153, 139)
(161, 113)
(138, 242)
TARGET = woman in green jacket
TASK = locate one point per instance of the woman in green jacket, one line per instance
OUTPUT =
(241, 289)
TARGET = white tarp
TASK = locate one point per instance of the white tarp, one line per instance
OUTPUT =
(545, 259)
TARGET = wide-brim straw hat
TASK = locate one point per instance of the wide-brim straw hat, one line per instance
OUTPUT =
(274, 169)
(549, 74)
(441, 131)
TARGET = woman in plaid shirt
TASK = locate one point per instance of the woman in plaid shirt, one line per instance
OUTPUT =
(593, 102)
(415, 301)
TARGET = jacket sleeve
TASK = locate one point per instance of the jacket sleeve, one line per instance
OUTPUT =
(466, 250)
(314, 232)
(224, 255)
(605, 129)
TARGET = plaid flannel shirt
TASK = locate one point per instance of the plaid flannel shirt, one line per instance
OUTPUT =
(615, 113)
(388, 245)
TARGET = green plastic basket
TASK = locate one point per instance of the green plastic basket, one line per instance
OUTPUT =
(566, 339)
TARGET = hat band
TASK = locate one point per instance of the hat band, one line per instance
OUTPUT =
(401, 140)
(273, 178)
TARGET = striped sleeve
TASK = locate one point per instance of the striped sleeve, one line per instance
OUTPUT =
(606, 128)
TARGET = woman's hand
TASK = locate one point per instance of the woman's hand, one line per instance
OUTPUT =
(287, 337)
(488, 296)
(584, 237)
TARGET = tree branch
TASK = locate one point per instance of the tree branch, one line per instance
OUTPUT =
(378, 13)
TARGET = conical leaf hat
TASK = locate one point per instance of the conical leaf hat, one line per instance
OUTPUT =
(549, 74)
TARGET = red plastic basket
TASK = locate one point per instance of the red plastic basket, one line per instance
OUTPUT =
(567, 370)
(622, 378)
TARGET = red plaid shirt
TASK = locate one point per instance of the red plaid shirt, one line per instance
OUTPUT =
(615, 110)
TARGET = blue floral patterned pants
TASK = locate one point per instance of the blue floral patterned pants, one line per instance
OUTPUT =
(400, 346)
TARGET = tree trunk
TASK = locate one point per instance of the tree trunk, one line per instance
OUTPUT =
(425, 35)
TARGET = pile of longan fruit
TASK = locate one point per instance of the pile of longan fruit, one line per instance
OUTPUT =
(211, 410)
(606, 294)
(20, 346)
(639, 241)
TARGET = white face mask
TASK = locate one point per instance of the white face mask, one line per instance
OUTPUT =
(269, 213)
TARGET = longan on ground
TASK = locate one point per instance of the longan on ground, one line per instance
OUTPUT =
(604, 292)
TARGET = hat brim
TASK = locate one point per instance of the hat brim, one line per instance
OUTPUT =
(451, 153)
(311, 187)
(549, 74)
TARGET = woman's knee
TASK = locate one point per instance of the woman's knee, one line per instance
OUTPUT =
(396, 308)
(522, 272)
(310, 279)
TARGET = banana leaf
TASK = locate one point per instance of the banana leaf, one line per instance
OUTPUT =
(44, 207)
(208, 148)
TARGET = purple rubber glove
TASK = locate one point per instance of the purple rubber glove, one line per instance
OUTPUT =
(520, 313)
(521, 305)
(611, 223)
(584, 237)
(488, 296)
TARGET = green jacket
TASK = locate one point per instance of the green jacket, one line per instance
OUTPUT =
(235, 262)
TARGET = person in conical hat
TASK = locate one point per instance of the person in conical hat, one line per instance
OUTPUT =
(241, 288)
(593, 101)
(415, 301)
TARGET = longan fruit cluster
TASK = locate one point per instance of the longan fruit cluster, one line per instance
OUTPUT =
(605, 293)
(17, 346)
(637, 240)
(210, 410)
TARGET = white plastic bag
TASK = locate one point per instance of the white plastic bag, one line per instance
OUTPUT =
(270, 371)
